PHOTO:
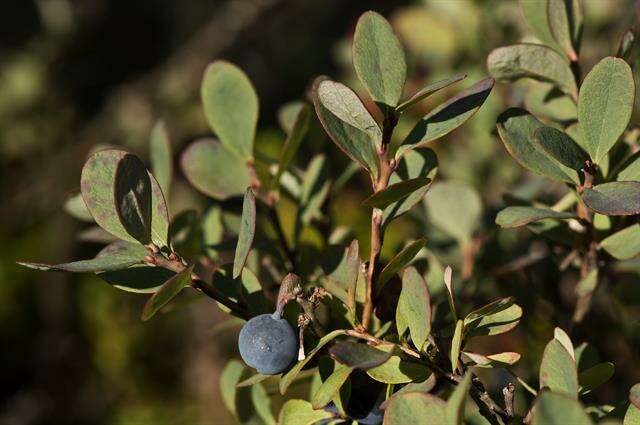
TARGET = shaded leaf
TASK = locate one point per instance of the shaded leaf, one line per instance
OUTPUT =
(414, 306)
(231, 107)
(630, 169)
(405, 408)
(456, 401)
(358, 356)
(535, 61)
(428, 90)
(288, 115)
(348, 123)
(75, 207)
(558, 409)
(565, 340)
(558, 370)
(396, 370)
(562, 15)
(396, 192)
(412, 387)
(247, 232)
(289, 377)
(495, 318)
(132, 187)
(138, 278)
(627, 43)
(454, 208)
(545, 100)
(559, 146)
(448, 116)
(614, 198)
(520, 216)
(229, 177)
(624, 244)
(516, 128)
(262, 404)
(253, 379)
(595, 376)
(231, 375)
(314, 190)
(634, 395)
(297, 132)
(605, 105)
(166, 293)
(535, 13)
(330, 386)
(300, 412)
(498, 360)
(161, 156)
(378, 59)
(456, 345)
(400, 260)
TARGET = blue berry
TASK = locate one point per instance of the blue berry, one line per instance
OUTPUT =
(268, 343)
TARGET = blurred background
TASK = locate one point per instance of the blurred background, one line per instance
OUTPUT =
(75, 74)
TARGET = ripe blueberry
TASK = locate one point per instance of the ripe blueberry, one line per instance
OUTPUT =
(268, 343)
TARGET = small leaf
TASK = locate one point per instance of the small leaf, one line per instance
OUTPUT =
(414, 306)
(428, 91)
(521, 216)
(295, 136)
(300, 412)
(140, 279)
(231, 106)
(231, 375)
(289, 377)
(396, 192)
(605, 105)
(448, 116)
(562, 21)
(545, 100)
(288, 115)
(262, 404)
(498, 360)
(160, 156)
(614, 198)
(634, 395)
(314, 190)
(455, 209)
(75, 207)
(630, 169)
(133, 197)
(595, 376)
(166, 293)
(330, 386)
(448, 283)
(351, 275)
(378, 59)
(559, 146)
(247, 232)
(119, 256)
(348, 123)
(253, 379)
(229, 177)
(535, 61)
(400, 260)
(624, 244)
(396, 370)
(405, 408)
(558, 370)
(558, 409)
(627, 43)
(587, 284)
(455, 403)
(495, 318)
(159, 215)
(535, 13)
(565, 340)
(413, 387)
(516, 128)
(456, 345)
(358, 356)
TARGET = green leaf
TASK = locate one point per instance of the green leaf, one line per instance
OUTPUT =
(289, 377)
(116, 256)
(632, 415)
(396, 192)
(348, 123)
(413, 387)
(456, 345)
(564, 339)
(521, 216)
(212, 232)
(448, 116)
(494, 318)
(314, 190)
(516, 128)
(535, 61)
(562, 21)
(414, 306)
(352, 272)
(400, 260)
(551, 408)
(559, 146)
(166, 293)
(247, 232)
(545, 100)
(558, 370)
(535, 13)
(330, 386)
(414, 163)
(231, 375)
(456, 401)
(405, 408)
(288, 115)
(624, 244)
(358, 356)
(630, 169)
(253, 379)
(75, 207)
(627, 43)
(587, 284)
(159, 215)
(294, 138)
(634, 395)
(454, 208)
(262, 404)
(398, 371)
(428, 91)
(595, 376)
(140, 279)
(160, 156)
(605, 105)
(300, 412)
(228, 178)
(498, 360)
(378, 59)
(614, 198)
(231, 106)
(132, 187)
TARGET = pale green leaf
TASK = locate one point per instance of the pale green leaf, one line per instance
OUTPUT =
(558, 370)
(517, 216)
(247, 232)
(167, 292)
(160, 156)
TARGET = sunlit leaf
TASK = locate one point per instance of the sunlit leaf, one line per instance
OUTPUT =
(396, 370)
(405, 408)
(167, 292)
(558, 370)
(497, 360)
(330, 386)
(428, 90)
(161, 156)
(535, 13)
(624, 244)
(614, 198)
(456, 345)
(565, 22)
(414, 306)
(300, 412)
(495, 318)
(551, 408)
(456, 401)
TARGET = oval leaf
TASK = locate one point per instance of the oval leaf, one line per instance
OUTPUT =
(456, 345)
(231, 106)
(521, 216)
(246, 233)
(396, 370)
(454, 208)
(414, 306)
(558, 370)
(166, 293)
(378, 59)
(160, 156)
(562, 21)
(405, 408)
(605, 105)
(401, 259)
(330, 386)
(558, 409)
(132, 187)
(615, 198)
(624, 244)
(558, 145)
(595, 376)
(358, 356)
(396, 192)
(429, 90)
(455, 403)
(300, 412)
